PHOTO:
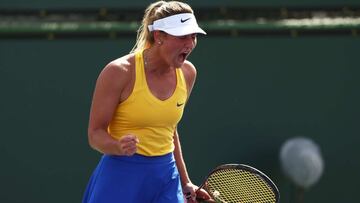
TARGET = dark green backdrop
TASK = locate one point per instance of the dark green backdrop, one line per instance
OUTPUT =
(251, 95)
(196, 3)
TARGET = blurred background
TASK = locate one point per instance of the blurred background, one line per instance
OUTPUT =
(268, 71)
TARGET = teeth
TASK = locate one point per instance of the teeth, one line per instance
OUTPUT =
(186, 52)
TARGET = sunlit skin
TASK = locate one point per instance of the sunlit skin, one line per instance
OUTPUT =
(173, 50)
(162, 59)
(177, 49)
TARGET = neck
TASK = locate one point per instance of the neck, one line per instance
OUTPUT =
(154, 62)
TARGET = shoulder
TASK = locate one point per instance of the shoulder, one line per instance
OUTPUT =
(189, 72)
(120, 69)
(121, 65)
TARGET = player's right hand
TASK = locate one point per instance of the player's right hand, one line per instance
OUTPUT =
(128, 145)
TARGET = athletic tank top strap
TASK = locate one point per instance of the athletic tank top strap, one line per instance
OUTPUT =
(140, 78)
(181, 82)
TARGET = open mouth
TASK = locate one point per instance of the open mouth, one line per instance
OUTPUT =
(183, 56)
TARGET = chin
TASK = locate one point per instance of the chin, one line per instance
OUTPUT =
(179, 64)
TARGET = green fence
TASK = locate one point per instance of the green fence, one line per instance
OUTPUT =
(195, 3)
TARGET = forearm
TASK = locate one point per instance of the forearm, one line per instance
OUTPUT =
(180, 163)
(101, 141)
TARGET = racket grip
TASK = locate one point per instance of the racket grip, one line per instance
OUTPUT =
(200, 200)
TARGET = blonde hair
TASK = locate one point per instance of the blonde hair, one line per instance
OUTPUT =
(155, 11)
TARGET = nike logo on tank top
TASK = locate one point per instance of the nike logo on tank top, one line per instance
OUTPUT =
(152, 120)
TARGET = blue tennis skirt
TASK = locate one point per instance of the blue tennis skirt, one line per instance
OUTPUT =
(135, 179)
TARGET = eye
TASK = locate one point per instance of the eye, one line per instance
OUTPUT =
(190, 36)
(182, 37)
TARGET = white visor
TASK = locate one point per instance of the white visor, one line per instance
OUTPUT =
(177, 25)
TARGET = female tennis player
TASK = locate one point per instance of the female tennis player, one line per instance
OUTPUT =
(137, 103)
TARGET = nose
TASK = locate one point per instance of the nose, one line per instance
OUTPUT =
(190, 41)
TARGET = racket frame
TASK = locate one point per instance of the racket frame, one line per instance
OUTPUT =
(247, 168)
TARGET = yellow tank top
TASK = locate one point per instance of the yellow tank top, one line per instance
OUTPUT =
(152, 120)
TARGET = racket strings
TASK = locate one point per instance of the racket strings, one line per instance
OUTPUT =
(233, 186)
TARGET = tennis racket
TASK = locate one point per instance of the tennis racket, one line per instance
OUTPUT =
(238, 183)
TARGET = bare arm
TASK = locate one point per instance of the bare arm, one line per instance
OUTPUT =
(180, 161)
(189, 188)
(107, 94)
(189, 72)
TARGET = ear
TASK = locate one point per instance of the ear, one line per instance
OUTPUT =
(158, 37)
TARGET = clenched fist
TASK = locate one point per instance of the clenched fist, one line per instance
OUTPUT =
(127, 145)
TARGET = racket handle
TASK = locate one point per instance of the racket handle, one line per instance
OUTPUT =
(200, 200)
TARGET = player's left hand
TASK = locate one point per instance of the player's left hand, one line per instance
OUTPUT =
(192, 193)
